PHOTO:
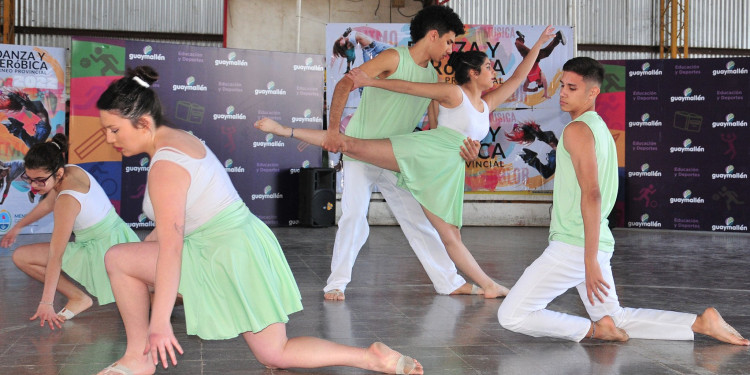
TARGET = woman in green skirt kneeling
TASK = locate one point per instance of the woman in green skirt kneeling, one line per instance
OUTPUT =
(208, 247)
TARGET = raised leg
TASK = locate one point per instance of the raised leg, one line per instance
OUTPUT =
(378, 152)
(547, 50)
(521, 47)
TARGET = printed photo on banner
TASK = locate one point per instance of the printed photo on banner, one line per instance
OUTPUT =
(32, 110)
(349, 45)
(518, 154)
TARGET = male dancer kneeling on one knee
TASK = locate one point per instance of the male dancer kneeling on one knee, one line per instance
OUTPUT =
(581, 243)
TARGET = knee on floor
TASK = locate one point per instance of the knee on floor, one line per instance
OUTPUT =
(272, 360)
(508, 320)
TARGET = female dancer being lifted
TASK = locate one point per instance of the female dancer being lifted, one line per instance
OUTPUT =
(428, 162)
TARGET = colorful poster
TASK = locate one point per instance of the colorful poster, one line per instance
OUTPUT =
(95, 63)
(517, 155)
(686, 166)
(217, 94)
(32, 110)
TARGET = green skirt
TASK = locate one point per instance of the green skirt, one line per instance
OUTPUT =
(235, 277)
(433, 171)
(83, 259)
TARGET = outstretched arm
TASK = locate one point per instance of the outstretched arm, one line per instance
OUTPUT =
(502, 93)
(447, 94)
(579, 141)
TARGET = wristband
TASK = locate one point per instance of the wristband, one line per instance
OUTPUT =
(45, 303)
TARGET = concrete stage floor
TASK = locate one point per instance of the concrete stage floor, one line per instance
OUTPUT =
(391, 299)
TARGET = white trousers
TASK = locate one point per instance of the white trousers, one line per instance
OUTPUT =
(360, 178)
(561, 267)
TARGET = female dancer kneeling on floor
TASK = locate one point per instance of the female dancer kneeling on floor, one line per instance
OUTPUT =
(81, 206)
(428, 162)
(207, 245)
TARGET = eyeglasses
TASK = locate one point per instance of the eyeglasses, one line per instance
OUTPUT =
(35, 181)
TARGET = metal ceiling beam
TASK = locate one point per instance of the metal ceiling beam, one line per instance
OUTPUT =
(9, 21)
(673, 28)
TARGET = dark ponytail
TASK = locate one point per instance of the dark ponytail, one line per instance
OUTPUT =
(49, 156)
(464, 62)
(132, 96)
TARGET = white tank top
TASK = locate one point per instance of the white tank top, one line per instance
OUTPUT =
(210, 189)
(94, 204)
(465, 119)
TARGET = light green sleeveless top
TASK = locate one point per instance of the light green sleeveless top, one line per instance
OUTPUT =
(382, 113)
(567, 221)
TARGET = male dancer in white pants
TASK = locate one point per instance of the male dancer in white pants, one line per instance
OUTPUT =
(382, 114)
(581, 243)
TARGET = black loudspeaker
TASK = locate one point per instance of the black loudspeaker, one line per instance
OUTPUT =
(317, 197)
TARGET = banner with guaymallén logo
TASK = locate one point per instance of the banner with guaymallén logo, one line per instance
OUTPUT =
(216, 94)
(687, 159)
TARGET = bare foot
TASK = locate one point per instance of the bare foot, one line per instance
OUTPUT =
(496, 291)
(78, 305)
(269, 126)
(381, 358)
(467, 288)
(605, 329)
(140, 366)
(334, 295)
(711, 323)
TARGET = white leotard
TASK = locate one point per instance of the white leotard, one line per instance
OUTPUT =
(94, 204)
(210, 189)
(465, 119)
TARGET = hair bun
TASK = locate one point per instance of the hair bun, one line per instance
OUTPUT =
(146, 73)
(60, 141)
